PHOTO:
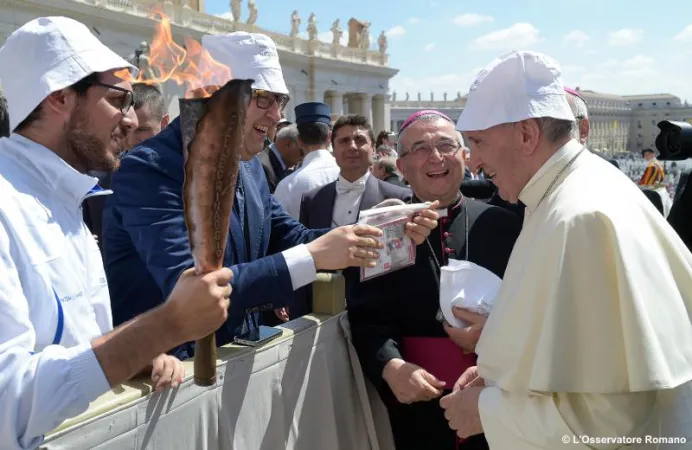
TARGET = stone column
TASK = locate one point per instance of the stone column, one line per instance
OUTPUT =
(355, 104)
(379, 121)
(336, 103)
(366, 108)
(317, 95)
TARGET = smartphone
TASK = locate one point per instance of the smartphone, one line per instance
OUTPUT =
(258, 336)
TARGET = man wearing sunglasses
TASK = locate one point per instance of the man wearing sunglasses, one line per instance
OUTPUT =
(70, 114)
(145, 239)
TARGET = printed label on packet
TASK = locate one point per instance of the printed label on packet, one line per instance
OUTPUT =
(398, 250)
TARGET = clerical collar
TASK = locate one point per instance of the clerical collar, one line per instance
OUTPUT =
(451, 211)
(534, 190)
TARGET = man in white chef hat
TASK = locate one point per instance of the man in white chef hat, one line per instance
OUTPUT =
(70, 113)
(590, 335)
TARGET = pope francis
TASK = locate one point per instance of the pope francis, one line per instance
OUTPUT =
(589, 343)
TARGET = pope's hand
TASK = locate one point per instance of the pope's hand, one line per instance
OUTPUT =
(167, 371)
(469, 378)
(421, 224)
(347, 246)
(466, 338)
(411, 383)
(461, 411)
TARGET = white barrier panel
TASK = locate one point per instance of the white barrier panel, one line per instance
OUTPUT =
(304, 391)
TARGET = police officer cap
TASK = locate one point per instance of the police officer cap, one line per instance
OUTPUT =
(313, 112)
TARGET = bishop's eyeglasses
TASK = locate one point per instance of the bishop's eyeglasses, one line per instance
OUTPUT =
(425, 149)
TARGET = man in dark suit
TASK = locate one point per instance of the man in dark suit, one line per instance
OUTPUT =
(281, 155)
(356, 189)
(352, 141)
(270, 254)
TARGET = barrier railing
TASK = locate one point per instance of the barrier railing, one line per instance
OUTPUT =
(303, 391)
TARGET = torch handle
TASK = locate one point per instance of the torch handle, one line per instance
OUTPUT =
(205, 361)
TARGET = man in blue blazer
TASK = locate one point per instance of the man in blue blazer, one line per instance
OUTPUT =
(145, 238)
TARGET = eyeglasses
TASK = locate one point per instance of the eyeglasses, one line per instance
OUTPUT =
(425, 149)
(266, 99)
(128, 98)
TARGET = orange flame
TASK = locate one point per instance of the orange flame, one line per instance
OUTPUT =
(191, 65)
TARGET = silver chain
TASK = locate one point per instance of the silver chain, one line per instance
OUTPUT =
(557, 177)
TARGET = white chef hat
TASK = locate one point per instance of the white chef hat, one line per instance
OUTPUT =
(517, 86)
(249, 56)
(48, 54)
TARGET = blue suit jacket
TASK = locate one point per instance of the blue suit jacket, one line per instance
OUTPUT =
(146, 242)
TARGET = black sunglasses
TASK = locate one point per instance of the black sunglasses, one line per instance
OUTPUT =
(266, 99)
(128, 100)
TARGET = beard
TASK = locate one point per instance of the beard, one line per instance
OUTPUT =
(91, 152)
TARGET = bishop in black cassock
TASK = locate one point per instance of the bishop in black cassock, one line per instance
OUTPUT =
(395, 316)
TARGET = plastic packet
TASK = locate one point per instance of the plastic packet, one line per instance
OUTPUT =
(398, 250)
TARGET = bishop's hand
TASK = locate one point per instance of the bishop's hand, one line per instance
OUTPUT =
(421, 224)
(411, 383)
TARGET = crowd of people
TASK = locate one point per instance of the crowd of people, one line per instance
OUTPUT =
(98, 286)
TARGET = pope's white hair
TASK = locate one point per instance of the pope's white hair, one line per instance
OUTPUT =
(580, 111)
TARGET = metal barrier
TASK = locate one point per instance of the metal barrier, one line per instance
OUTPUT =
(303, 391)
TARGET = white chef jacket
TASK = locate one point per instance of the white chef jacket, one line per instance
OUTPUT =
(319, 169)
(53, 294)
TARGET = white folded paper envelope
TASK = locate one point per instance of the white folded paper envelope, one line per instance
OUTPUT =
(469, 286)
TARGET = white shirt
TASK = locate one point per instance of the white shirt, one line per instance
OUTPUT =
(319, 169)
(347, 202)
(53, 294)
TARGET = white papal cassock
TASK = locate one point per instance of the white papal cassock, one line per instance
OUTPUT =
(590, 337)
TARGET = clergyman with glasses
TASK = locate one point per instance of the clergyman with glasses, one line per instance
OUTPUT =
(411, 356)
(145, 239)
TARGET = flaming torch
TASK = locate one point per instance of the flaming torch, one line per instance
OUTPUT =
(212, 119)
(212, 133)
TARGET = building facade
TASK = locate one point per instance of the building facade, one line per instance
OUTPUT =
(351, 79)
(618, 124)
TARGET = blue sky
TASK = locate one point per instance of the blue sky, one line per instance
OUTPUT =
(612, 46)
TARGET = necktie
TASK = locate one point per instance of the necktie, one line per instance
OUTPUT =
(250, 321)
